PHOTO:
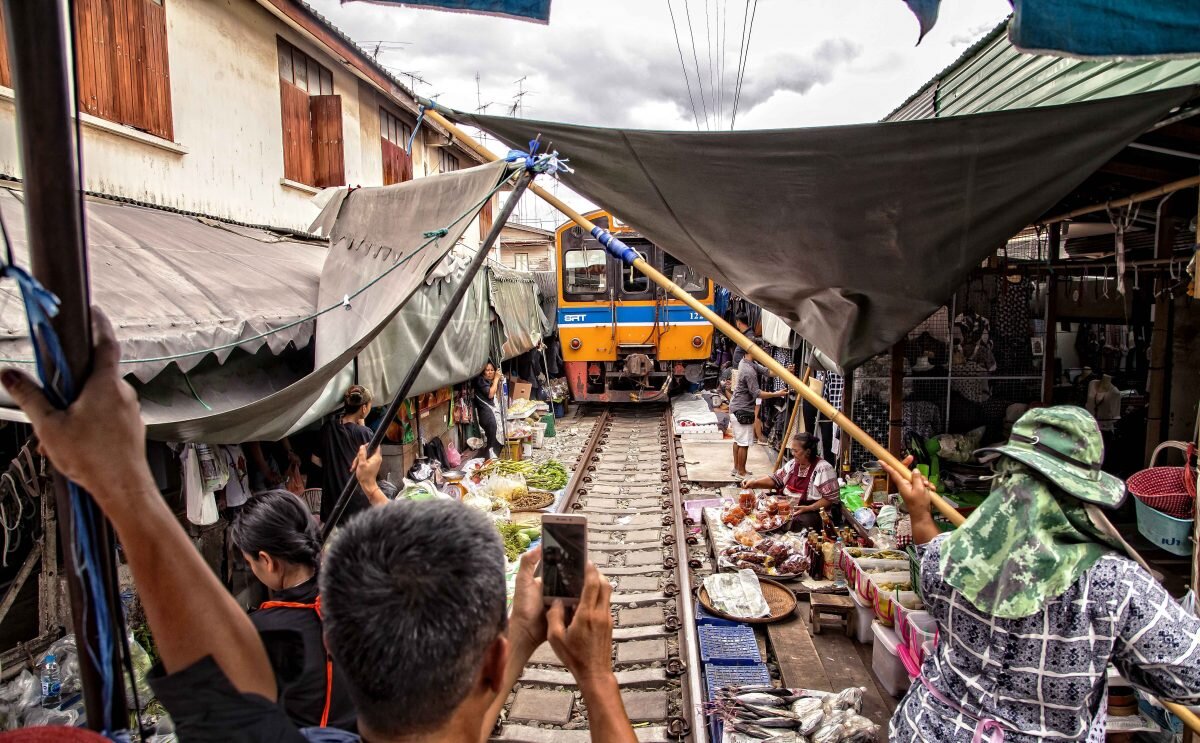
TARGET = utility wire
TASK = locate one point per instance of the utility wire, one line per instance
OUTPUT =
(737, 98)
(741, 52)
(682, 66)
(712, 82)
(696, 59)
(724, 43)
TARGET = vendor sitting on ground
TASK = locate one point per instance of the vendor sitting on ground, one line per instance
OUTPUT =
(1035, 595)
(413, 598)
(279, 538)
(808, 481)
(746, 394)
(487, 407)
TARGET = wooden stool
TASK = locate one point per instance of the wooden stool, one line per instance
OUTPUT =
(831, 605)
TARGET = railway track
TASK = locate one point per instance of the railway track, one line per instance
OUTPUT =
(627, 482)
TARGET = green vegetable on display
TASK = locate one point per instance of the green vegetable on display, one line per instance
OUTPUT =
(517, 538)
(550, 475)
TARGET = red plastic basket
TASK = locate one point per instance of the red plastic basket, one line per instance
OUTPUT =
(1170, 490)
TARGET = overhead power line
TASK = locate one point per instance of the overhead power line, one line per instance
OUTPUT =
(683, 67)
(737, 97)
(696, 59)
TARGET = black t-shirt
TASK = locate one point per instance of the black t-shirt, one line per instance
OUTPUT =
(483, 390)
(205, 706)
(302, 674)
(339, 445)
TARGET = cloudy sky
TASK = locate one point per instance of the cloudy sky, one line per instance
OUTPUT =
(617, 63)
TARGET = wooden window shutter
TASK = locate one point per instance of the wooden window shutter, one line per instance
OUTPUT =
(485, 220)
(158, 71)
(5, 70)
(328, 147)
(96, 58)
(297, 134)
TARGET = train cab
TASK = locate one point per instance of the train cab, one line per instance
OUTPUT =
(624, 338)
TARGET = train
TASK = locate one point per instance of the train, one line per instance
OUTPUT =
(624, 338)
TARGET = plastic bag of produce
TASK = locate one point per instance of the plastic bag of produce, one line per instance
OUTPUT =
(141, 669)
(847, 699)
(810, 714)
(745, 534)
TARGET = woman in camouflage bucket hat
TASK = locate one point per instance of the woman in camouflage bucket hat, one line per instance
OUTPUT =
(1035, 595)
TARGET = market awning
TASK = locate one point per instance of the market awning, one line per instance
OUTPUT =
(176, 285)
(378, 257)
(514, 297)
(852, 234)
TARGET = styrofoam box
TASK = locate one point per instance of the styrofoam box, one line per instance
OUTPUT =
(864, 617)
(885, 661)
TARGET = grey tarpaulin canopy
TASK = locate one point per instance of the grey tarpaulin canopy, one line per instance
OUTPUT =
(852, 234)
(514, 297)
(253, 396)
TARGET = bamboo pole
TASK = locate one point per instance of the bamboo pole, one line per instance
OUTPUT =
(717, 321)
(1136, 198)
(787, 434)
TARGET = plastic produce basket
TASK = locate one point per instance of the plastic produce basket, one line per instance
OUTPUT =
(703, 617)
(1163, 531)
(728, 645)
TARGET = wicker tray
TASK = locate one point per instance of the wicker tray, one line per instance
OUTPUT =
(780, 599)
(545, 500)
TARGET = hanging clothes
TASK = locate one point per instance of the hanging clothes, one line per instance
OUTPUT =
(775, 331)
(237, 489)
(199, 498)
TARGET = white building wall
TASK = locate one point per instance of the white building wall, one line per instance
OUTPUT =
(227, 156)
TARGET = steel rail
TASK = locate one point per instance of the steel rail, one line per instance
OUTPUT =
(691, 708)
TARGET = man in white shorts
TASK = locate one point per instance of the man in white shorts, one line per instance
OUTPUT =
(746, 394)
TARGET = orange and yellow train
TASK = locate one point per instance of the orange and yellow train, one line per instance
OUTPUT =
(624, 339)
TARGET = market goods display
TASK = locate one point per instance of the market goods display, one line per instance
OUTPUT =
(517, 538)
(781, 557)
(550, 475)
(764, 514)
(521, 408)
(758, 713)
(534, 500)
(876, 554)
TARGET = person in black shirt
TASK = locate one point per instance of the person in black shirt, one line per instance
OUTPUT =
(412, 595)
(342, 434)
(280, 541)
(487, 406)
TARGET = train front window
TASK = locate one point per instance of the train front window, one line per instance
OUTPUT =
(685, 276)
(634, 281)
(585, 271)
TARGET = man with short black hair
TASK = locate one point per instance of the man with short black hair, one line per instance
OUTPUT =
(413, 599)
(742, 408)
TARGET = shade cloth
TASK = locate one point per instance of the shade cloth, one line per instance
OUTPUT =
(852, 234)
(514, 297)
(1107, 29)
(258, 397)
(526, 10)
(172, 284)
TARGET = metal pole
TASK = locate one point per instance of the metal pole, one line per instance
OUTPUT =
(41, 72)
(410, 378)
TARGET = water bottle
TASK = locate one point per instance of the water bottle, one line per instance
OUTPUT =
(51, 682)
(504, 389)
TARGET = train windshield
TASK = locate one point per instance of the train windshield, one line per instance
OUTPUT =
(585, 271)
(685, 276)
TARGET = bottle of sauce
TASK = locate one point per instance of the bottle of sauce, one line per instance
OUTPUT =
(816, 559)
(828, 565)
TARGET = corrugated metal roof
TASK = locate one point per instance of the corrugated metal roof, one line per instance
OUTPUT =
(992, 75)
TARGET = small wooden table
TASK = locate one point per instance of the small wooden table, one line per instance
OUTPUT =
(825, 606)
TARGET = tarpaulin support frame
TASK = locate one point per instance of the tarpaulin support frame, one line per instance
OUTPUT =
(410, 378)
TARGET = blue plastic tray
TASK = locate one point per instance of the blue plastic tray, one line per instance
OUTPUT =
(732, 644)
(703, 617)
(720, 676)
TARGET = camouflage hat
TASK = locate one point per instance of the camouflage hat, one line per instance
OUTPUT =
(1063, 444)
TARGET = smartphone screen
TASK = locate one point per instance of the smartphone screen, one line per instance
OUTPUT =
(564, 556)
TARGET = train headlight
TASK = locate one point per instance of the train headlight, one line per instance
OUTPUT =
(576, 344)
(697, 341)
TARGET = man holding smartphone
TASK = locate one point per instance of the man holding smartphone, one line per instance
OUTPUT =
(412, 594)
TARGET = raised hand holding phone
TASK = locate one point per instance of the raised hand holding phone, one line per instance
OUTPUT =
(564, 558)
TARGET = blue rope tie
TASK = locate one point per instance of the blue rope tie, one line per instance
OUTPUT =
(416, 127)
(548, 163)
(614, 246)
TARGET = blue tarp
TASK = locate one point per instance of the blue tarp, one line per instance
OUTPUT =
(528, 10)
(1095, 28)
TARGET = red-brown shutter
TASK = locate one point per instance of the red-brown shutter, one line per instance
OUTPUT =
(5, 74)
(158, 71)
(96, 57)
(129, 69)
(297, 134)
(397, 165)
(485, 220)
(328, 147)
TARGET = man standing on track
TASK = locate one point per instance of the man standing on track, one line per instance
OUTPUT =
(746, 394)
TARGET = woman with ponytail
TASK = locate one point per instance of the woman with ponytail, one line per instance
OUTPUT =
(342, 434)
(280, 540)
